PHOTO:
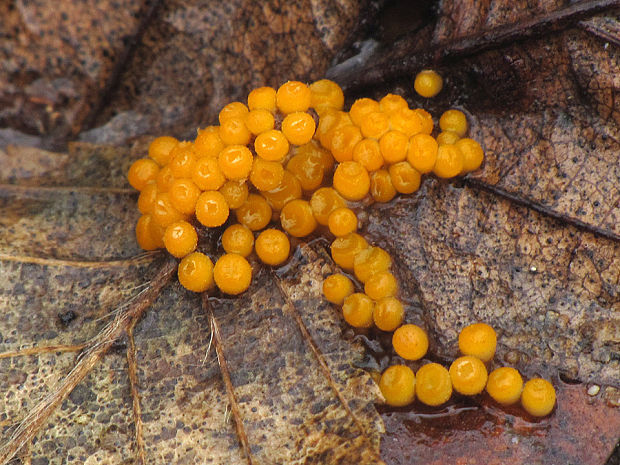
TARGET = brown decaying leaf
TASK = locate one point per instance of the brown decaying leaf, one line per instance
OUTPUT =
(536, 255)
(154, 66)
(57, 61)
(183, 400)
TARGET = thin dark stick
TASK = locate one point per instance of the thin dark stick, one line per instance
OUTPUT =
(542, 209)
(230, 390)
(402, 60)
(132, 369)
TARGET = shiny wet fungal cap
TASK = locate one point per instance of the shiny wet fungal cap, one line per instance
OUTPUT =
(505, 385)
(397, 385)
(410, 342)
(272, 247)
(146, 240)
(212, 209)
(325, 95)
(255, 213)
(195, 272)
(468, 375)
(142, 172)
(449, 162)
(180, 238)
(371, 261)
(381, 285)
(357, 310)
(337, 287)
(293, 96)
(538, 397)
(238, 239)
(479, 340)
(433, 385)
(428, 83)
(342, 221)
(345, 249)
(160, 148)
(297, 219)
(232, 274)
(454, 120)
(389, 314)
(323, 202)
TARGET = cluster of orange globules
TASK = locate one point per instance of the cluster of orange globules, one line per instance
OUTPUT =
(433, 384)
(257, 164)
(293, 156)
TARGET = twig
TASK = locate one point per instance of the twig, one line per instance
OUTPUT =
(542, 209)
(42, 350)
(402, 60)
(132, 369)
(230, 390)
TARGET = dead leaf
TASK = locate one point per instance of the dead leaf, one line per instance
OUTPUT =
(59, 257)
(157, 66)
(529, 244)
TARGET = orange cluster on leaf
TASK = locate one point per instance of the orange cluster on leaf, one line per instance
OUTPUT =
(433, 384)
(293, 155)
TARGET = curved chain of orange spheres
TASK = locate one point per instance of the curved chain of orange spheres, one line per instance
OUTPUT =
(293, 154)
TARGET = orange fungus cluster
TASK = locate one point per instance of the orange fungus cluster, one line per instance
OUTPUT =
(291, 160)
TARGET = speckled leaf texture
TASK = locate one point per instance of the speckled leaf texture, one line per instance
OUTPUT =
(530, 243)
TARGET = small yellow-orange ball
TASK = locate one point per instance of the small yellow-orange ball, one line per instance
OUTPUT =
(410, 342)
(397, 385)
(505, 385)
(428, 83)
(235, 162)
(357, 310)
(272, 247)
(468, 375)
(298, 127)
(449, 162)
(351, 180)
(142, 172)
(232, 274)
(381, 285)
(160, 148)
(238, 239)
(473, 155)
(212, 209)
(337, 287)
(381, 186)
(262, 98)
(433, 385)
(255, 213)
(479, 340)
(345, 249)
(297, 219)
(195, 272)
(371, 261)
(293, 96)
(454, 120)
(538, 397)
(342, 221)
(180, 239)
(389, 314)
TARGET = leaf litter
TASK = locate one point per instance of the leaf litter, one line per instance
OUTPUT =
(532, 255)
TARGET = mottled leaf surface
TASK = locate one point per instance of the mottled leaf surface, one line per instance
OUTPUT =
(530, 243)
(301, 397)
